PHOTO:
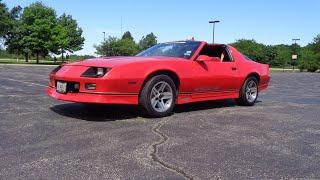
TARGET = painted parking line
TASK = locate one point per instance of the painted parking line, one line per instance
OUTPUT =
(26, 74)
(24, 82)
(21, 96)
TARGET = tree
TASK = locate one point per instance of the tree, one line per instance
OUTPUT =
(117, 47)
(37, 31)
(15, 12)
(147, 41)
(37, 27)
(270, 55)
(5, 19)
(10, 25)
(14, 41)
(106, 47)
(309, 60)
(310, 56)
(8, 19)
(283, 55)
(127, 35)
(252, 49)
(4, 22)
(126, 46)
(274, 55)
(67, 35)
(315, 45)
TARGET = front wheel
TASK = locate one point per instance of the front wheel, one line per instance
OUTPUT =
(158, 96)
(248, 92)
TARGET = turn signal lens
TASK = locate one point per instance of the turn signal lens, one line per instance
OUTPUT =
(90, 86)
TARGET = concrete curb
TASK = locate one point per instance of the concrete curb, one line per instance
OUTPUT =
(41, 65)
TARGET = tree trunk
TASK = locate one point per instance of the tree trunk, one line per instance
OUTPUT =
(62, 56)
(37, 58)
(26, 57)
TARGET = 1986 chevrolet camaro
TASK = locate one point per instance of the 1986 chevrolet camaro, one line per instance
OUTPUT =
(162, 76)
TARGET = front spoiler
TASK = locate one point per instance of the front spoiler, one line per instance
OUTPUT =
(96, 98)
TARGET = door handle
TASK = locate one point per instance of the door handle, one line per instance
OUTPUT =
(234, 68)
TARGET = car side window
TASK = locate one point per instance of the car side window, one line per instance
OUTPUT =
(225, 57)
(219, 51)
(209, 51)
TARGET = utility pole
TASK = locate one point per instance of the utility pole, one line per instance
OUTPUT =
(104, 36)
(214, 23)
(121, 26)
(295, 53)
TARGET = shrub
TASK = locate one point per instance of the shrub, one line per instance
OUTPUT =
(310, 60)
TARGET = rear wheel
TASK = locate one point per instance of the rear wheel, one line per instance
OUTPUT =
(158, 96)
(249, 92)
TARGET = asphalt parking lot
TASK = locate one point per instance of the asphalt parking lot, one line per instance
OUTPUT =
(41, 138)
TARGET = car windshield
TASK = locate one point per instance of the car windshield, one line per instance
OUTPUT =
(183, 49)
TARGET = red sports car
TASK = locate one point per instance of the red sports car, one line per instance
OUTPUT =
(162, 76)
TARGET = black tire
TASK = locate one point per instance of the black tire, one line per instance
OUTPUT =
(243, 97)
(145, 96)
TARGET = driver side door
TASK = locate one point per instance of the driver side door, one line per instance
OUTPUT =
(214, 78)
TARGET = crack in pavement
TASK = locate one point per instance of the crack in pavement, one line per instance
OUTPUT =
(154, 156)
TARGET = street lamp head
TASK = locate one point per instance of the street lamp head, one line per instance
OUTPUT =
(214, 21)
(297, 39)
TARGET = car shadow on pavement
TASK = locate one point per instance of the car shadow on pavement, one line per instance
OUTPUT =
(95, 112)
(92, 112)
(205, 105)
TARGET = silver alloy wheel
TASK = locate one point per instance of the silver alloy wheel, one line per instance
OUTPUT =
(251, 91)
(161, 96)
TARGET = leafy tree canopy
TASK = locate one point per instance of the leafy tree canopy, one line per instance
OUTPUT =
(37, 26)
(310, 59)
(315, 45)
(283, 57)
(67, 36)
(127, 35)
(251, 48)
(147, 41)
(126, 46)
(117, 47)
(37, 31)
(310, 56)
(5, 20)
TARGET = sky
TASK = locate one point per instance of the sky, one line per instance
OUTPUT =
(267, 21)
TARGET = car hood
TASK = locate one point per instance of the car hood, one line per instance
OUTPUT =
(116, 61)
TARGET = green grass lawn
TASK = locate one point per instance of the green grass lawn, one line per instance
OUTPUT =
(31, 61)
(275, 70)
(47, 62)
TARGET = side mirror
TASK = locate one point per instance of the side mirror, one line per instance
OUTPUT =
(202, 58)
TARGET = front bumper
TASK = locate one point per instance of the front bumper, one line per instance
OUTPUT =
(94, 97)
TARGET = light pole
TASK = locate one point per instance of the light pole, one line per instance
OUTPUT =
(295, 53)
(104, 36)
(214, 23)
(295, 40)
